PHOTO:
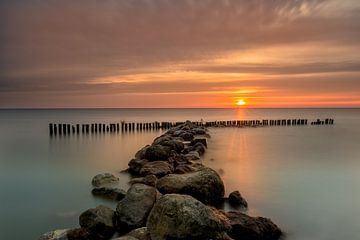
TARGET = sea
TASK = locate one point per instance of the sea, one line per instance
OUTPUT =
(305, 178)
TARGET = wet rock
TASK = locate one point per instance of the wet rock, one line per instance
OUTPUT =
(103, 179)
(126, 238)
(148, 180)
(236, 200)
(157, 168)
(188, 167)
(81, 234)
(187, 136)
(205, 185)
(199, 131)
(135, 165)
(193, 155)
(109, 193)
(244, 227)
(177, 216)
(98, 221)
(60, 234)
(141, 153)
(198, 147)
(140, 233)
(203, 141)
(132, 211)
(157, 153)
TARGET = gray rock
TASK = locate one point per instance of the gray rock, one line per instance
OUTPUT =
(148, 180)
(244, 227)
(199, 131)
(192, 155)
(203, 141)
(177, 216)
(157, 153)
(132, 211)
(140, 233)
(188, 167)
(98, 221)
(187, 136)
(81, 234)
(126, 238)
(236, 200)
(141, 153)
(198, 147)
(157, 168)
(109, 193)
(205, 185)
(135, 165)
(103, 179)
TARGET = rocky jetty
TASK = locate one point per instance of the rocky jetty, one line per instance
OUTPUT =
(171, 196)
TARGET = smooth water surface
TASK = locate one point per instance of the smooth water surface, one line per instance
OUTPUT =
(305, 178)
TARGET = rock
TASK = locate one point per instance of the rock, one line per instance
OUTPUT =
(148, 180)
(81, 234)
(199, 131)
(193, 155)
(157, 168)
(110, 193)
(236, 200)
(103, 179)
(98, 221)
(245, 227)
(198, 147)
(135, 165)
(60, 234)
(188, 167)
(132, 211)
(173, 143)
(177, 216)
(205, 185)
(187, 136)
(157, 153)
(141, 153)
(140, 233)
(203, 141)
(126, 238)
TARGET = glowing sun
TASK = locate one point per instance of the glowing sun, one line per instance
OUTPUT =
(241, 102)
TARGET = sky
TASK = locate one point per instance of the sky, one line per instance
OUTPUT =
(179, 53)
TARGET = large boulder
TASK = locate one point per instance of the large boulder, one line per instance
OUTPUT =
(104, 179)
(236, 200)
(188, 167)
(98, 221)
(244, 227)
(199, 131)
(205, 185)
(141, 153)
(172, 143)
(203, 141)
(132, 211)
(187, 136)
(157, 168)
(177, 216)
(136, 164)
(198, 147)
(148, 180)
(157, 152)
(109, 193)
(192, 155)
(81, 234)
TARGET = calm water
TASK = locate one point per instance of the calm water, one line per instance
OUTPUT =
(306, 178)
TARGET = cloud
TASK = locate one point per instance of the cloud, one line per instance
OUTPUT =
(62, 47)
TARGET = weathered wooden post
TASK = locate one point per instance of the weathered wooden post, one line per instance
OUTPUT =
(73, 129)
(51, 129)
(55, 129)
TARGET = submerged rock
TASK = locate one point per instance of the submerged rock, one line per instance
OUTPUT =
(157, 168)
(110, 193)
(132, 211)
(148, 180)
(244, 227)
(204, 185)
(236, 200)
(103, 179)
(177, 216)
(157, 153)
(60, 234)
(98, 221)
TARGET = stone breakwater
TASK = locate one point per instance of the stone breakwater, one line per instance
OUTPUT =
(172, 196)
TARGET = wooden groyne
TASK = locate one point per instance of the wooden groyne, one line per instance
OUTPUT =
(94, 128)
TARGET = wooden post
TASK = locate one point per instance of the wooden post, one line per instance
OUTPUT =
(51, 129)
(73, 129)
(55, 129)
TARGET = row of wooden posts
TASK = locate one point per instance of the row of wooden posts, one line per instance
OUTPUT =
(68, 129)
